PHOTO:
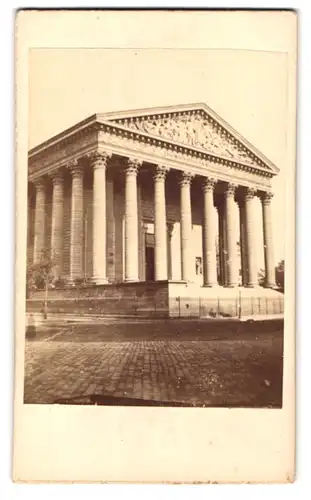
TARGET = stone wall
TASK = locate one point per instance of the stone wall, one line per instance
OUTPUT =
(187, 299)
(124, 298)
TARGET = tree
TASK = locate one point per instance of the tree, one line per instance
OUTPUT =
(279, 275)
(40, 277)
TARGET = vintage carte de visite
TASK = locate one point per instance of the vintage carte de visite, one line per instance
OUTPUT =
(155, 299)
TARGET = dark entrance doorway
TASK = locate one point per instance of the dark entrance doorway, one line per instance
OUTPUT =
(149, 263)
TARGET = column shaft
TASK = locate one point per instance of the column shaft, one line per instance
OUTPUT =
(141, 237)
(250, 233)
(57, 223)
(243, 248)
(76, 227)
(30, 226)
(99, 164)
(170, 228)
(111, 230)
(187, 263)
(39, 225)
(232, 262)
(144, 229)
(160, 229)
(221, 243)
(131, 221)
(209, 235)
(268, 240)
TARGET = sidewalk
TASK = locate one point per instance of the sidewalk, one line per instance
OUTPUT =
(262, 317)
(38, 319)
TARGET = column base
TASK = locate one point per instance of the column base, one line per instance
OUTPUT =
(99, 281)
(273, 286)
(210, 285)
(161, 278)
(72, 281)
(131, 280)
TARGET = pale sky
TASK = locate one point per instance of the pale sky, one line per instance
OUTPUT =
(246, 88)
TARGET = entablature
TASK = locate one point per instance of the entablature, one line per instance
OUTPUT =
(151, 149)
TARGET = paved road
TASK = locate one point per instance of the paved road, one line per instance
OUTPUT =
(118, 330)
(197, 369)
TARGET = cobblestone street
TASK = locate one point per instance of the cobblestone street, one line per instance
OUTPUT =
(237, 372)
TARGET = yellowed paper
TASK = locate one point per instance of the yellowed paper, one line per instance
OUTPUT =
(208, 75)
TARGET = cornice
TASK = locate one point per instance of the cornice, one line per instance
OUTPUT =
(57, 141)
(193, 107)
(126, 143)
(97, 122)
(159, 110)
(196, 165)
(188, 152)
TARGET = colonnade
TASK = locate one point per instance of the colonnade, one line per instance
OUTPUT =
(226, 216)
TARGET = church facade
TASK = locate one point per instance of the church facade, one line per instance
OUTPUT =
(161, 195)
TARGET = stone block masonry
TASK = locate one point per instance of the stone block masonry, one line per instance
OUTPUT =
(141, 299)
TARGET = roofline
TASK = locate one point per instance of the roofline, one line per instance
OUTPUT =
(190, 107)
(90, 120)
(104, 117)
(242, 139)
(156, 111)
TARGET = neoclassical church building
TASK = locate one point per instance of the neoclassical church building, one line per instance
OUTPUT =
(151, 204)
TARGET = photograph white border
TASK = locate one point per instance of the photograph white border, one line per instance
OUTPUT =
(303, 199)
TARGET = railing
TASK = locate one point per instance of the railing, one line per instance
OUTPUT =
(233, 307)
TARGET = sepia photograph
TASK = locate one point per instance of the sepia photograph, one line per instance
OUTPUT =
(155, 280)
(155, 251)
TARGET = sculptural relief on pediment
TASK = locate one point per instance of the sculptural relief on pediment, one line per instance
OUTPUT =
(194, 130)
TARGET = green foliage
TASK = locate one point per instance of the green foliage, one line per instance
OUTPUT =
(279, 274)
(60, 283)
(40, 274)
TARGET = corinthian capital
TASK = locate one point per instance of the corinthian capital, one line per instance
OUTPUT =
(267, 197)
(99, 159)
(160, 173)
(231, 188)
(39, 183)
(250, 193)
(133, 165)
(209, 184)
(185, 179)
(75, 167)
(57, 176)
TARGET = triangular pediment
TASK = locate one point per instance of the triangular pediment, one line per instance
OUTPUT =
(197, 126)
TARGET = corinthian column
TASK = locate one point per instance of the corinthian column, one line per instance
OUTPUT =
(209, 235)
(57, 223)
(39, 229)
(232, 261)
(99, 163)
(160, 229)
(250, 233)
(268, 239)
(243, 249)
(186, 228)
(131, 220)
(222, 252)
(170, 228)
(76, 226)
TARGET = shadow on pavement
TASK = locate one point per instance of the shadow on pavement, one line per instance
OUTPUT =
(118, 331)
